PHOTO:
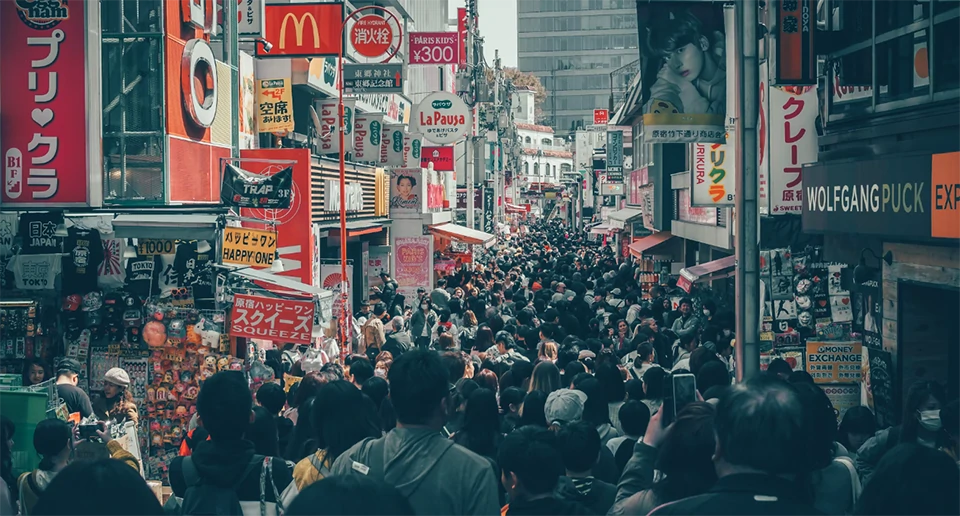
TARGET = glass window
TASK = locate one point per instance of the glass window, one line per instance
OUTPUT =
(536, 169)
(946, 65)
(546, 141)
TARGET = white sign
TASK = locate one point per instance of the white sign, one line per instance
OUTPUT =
(250, 17)
(412, 144)
(366, 137)
(391, 145)
(713, 179)
(442, 118)
(793, 142)
(354, 191)
(330, 125)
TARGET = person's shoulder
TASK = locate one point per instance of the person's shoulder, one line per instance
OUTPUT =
(467, 458)
(687, 505)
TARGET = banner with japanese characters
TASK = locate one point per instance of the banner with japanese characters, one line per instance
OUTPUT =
(412, 147)
(793, 142)
(683, 70)
(251, 247)
(366, 136)
(43, 132)
(275, 100)
(391, 142)
(834, 362)
(329, 125)
(406, 192)
(268, 318)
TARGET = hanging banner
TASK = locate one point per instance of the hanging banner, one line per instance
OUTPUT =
(270, 318)
(250, 16)
(442, 118)
(302, 30)
(683, 72)
(793, 143)
(713, 182)
(441, 157)
(878, 386)
(834, 362)
(412, 147)
(391, 141)
(462, 37)
(251, 247)
(614, 157)
(406, 190)
(329, 125)
(275, 98)
(794, 54)
(763, 141)
(411, 265)
(868, 316)
(331, 279)
(248, 190)
(366, 137)
(488, 225)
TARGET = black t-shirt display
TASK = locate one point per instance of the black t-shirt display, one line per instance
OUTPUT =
(75, 399)
(143, 276)
(37, 232)
(84, 250)
(193, 269)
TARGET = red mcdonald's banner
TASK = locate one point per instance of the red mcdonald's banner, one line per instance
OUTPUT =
(302, 29)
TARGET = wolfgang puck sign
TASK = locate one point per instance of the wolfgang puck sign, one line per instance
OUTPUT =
(442, 118)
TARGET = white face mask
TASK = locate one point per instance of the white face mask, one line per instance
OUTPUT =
(930, 419)
(424, 306)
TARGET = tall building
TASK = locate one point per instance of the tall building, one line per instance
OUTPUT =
(574, 46)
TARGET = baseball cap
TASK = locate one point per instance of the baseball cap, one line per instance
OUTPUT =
(68, 365)
(117, 376)
(72, 302)
(564, 406)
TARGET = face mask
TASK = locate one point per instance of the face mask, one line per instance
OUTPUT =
(424, 306)
(706, 313)
(930, 419)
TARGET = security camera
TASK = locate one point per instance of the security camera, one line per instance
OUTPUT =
(267, 46)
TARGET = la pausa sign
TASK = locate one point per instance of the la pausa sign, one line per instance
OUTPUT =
(442, 118)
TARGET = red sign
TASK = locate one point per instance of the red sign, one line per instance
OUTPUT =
(371, 36)
(43, 107)
(442, 158)
(462, 31)
(601, 116)
(270, 318)
(434, 48)
(796, 57)
(302, 30)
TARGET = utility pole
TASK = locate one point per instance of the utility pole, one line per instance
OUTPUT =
(748, 252)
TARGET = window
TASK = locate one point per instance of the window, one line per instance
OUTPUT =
(526, 140)
(536, 169)
(546, 141)
(526, 168)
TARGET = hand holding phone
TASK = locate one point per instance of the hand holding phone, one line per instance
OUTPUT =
(88, 431)
(679, 391)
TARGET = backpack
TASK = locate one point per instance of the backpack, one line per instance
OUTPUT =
(318, 465)
(203, 499)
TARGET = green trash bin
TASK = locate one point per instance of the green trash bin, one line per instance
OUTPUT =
(26, 410)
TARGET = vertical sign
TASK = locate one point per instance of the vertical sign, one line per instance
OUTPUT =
(250, 17)
(462, 31)
(411, 267)
(43, 135)
(793, 142)
(329, 125)
(796, 59)
(713, 182)
(763, 141)
(275, 100)
(366, 137)
(615, 157)
(488, 210)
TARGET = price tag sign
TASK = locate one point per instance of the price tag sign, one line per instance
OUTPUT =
(433, 48)
(154, 246)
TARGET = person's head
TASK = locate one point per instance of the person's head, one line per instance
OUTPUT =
(571, 370)
(622, 327)
(685, 306)
(653, 383)
(53, 441)
(68, 371)
(224, 405)
(104, 487)
(377, 389)
(912, 479)
(579, 447)
(686, 454)
(819, 426)
(780, 368)
(307, 387)
(262, 432)
(709, 308)
(759, 426)
(634, 416)
(546, 378)
(469, 318)
(115, 383)
(405, 185)
(645, 353)
(361, 370)
(34, 372)
(511, 399)
(487, 379)
(921, 410)
(455, 365)
(712, 374)
(349, 495)
(549, 351)
(343, 416)
(271, 397)
(689, 342)
(800, 377)
(596, 409)
(700, 356)
(563, 406)
(426, 304)
(634, 389)
(532, 409)
(858, 425)
(530, 462)
(611, 381)
(481, 421)
(420, 389)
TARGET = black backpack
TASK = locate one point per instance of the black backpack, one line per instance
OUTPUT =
(205, 499)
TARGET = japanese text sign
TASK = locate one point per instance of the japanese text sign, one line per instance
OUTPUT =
(615, 156)
(442, 118)
(713, 181)
(244, 246)
(268, 318)
(793, 142)
(275, 99)
(441, 157)
(371, 36)
(379, 77)
(302, 29)
(462, 35)
(601, 116)
(43, 131)
(250, 17)
(434, 48)
(796, 58)
(834, 362)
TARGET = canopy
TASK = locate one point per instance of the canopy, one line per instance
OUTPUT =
(625, 215)
(709, 271)
(464, 234)
(198, 226)
(638, 248)
(603, 229)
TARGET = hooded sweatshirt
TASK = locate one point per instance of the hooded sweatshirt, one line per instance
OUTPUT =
(434, 474)
(597, 496)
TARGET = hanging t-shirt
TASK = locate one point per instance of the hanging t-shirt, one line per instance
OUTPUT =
(168, 274)
(6, 276)
(84, 254)
(110, 273)
(142, 276)
(35, 271)
(37, 232)
(8, 230)
(193, 270)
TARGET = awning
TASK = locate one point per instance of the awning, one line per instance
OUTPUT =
(647, 243)
(516, 208)
(464, 234)
(357, 227)
(603, 229)
(625, 215)
(717, 269)
(285, 282)
(167, 227)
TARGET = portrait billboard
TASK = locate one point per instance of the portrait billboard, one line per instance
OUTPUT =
(406, 192)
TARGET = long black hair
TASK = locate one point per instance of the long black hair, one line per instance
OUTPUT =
(480, 432)
(343, 416)
(7, 429)
(917, 395)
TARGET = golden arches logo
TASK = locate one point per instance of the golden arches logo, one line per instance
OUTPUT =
(298, 24)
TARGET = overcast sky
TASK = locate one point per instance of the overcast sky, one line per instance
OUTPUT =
(498, 27)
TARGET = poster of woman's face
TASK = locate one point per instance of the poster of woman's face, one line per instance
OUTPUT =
(405, 187)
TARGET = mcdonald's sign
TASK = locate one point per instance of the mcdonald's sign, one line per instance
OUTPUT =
(302, 29)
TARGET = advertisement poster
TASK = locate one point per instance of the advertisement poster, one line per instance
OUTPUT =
(329, 122)
(244, 189)
(411, 267)
(406, 190)
(843, 397)
(378, 262)
(44, 127)
(834, 362)
(878, 386)
(366, 137)
(434, 48)
(251, 247)
(275, 101)
(868, 313)
(793, 142)
(330, 279)
(488, 201)
(270, 318)
(248, 96)
(683, 71)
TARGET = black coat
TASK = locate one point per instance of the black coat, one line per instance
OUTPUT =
(742, 494)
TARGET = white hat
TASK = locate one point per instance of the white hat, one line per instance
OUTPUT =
(564, 406)
(117, 376)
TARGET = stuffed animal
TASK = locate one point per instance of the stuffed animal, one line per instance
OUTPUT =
(154, 334)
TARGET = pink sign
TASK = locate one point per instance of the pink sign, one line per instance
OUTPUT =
(412, 261)
(434, 48)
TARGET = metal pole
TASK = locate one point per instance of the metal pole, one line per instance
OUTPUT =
(345, 318)
(468, 177)
(748, 253)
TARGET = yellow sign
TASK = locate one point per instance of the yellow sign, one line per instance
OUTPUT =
(298, 26)
(253, 247)
(155, 246)
(275, 101)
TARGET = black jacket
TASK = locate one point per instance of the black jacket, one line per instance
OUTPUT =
(742, 494)
(595, 495)
(546, 507)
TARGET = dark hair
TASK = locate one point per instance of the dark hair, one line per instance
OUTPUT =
(377, 389)
(510, 396)
(488, 380)
(7, 430)
(49, 439)
(759, 424)
(634, 417)
(579, 378)
(916, 396)
(100, 487)
(418, 383)
(481, 425)
(819, 426)
(533, 409)
(595, 409)
(308, 387)
(362, 370)
(712, 374)
(349, 495)
(413, 180)
(28, 364)
(579, 446)
(800, 377)
(484, 338)
(571, 370)
(611, 381)
(224, 405)
(454, 364)
(856, 420)
(700, 357)
(634, 389)
(531, 454)
(271, 397)
(686, 454)
(779, 366)
(546, 378)
(388, 416)
(912, 479)
(302, 441)
(653, 379)
(343, 416)
(263, 433)
(950, 418)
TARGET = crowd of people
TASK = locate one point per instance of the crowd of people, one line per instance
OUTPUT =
(542, 382)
